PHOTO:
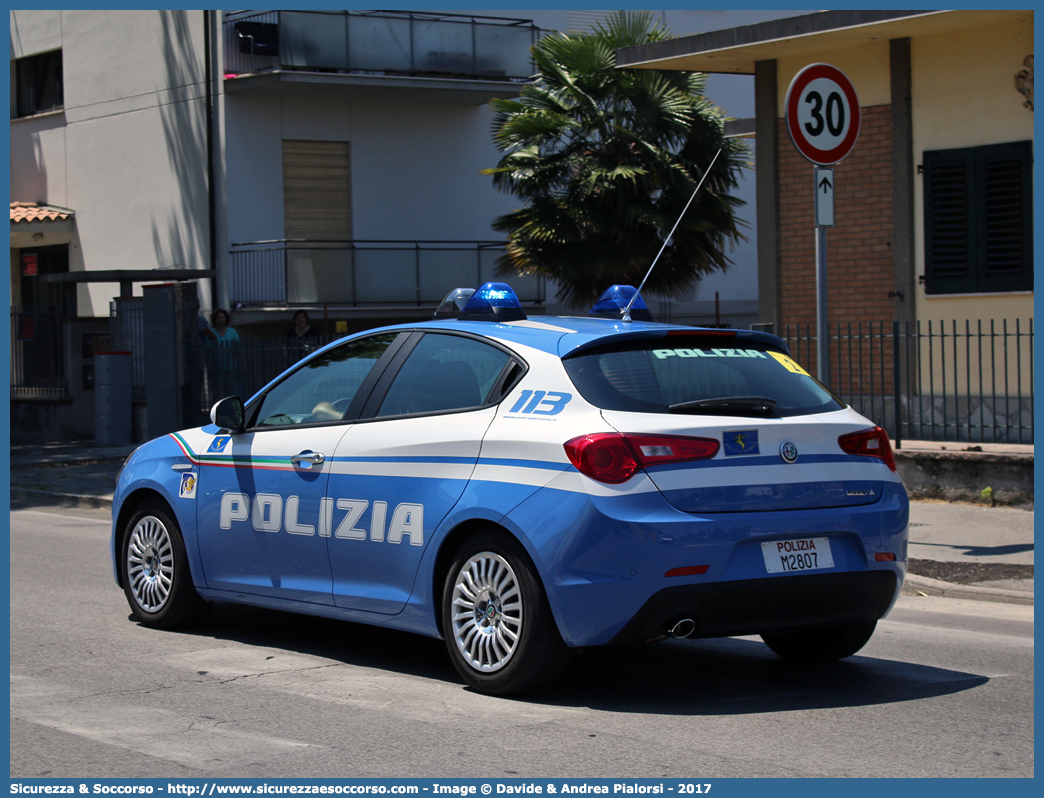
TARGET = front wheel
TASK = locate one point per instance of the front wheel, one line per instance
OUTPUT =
(498, 625)
(156, 576)
(820, 645)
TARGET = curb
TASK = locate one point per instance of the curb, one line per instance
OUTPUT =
(68, 460)
(47, 497)
(925, 585)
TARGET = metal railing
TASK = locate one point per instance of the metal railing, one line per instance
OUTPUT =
(379, 43)
(935, 380)
(37, 354)
(360, 273)
(127, 333)
(244, 367)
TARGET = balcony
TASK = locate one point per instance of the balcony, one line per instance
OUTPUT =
(377, 54)
(364, 274)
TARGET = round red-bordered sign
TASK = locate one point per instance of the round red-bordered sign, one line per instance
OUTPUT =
(823, 116)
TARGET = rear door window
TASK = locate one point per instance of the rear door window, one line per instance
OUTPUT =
(698, 375)
(444, 373)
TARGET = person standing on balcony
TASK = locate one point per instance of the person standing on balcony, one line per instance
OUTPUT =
(222, 362)
(302, 335)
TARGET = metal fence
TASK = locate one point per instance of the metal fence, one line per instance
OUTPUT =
(127, 333)
(37, 354)
(938, 381)
(244, 367)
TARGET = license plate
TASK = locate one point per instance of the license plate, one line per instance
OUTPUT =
(800, 554)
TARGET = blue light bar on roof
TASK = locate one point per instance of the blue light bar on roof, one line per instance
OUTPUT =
(493, 302)
(611, 304)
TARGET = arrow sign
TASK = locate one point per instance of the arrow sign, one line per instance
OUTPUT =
(824, 191)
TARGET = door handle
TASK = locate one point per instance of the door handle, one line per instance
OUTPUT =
(308, 458)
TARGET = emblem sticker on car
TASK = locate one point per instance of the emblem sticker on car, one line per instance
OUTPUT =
(218, 444)
(788, 451)
(188, 486)
(740, 442)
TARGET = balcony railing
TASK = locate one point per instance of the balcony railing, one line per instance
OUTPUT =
(379, 43)
(364, 273)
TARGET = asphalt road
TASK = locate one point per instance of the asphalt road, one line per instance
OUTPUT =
(945, 689)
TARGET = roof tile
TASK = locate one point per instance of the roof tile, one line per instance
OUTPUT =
(32, 212)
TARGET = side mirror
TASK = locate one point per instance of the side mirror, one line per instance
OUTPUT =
(227, 413)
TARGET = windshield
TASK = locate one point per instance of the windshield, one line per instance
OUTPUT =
(696, 375)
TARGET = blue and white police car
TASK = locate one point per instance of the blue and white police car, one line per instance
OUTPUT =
(523, 487)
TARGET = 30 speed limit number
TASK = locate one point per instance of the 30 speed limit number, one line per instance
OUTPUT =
(822, 114)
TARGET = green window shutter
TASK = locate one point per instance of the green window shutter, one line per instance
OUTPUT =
(1007, 227)
(949, 230)
(978, 206)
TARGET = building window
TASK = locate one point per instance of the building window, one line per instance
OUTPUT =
(978, 211)
(38, 84)
(317, 219)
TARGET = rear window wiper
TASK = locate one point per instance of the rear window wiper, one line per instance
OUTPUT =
(729, 405)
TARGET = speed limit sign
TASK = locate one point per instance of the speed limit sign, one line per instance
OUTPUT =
(822, 114)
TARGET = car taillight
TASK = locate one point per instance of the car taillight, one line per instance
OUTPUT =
(870, 443)
(615, 457)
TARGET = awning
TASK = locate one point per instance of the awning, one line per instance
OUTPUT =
(737, 50)
(29, 212)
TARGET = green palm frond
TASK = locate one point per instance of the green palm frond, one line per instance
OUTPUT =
(605, 160)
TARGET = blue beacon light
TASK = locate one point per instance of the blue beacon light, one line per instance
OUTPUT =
(454, 303)
(493, 302)
(614, 301)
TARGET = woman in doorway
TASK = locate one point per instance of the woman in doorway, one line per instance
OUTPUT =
(222, 363)
(303, 336)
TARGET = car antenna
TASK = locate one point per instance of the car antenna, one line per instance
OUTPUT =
(666, 241)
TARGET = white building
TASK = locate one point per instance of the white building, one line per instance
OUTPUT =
(184, 139)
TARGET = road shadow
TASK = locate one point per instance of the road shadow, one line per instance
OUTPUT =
(741, 676)
(732, 676)
(984, 551)
(342, 641)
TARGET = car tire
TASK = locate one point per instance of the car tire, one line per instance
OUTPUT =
(820, 645)
(155, 570)
(498, 626)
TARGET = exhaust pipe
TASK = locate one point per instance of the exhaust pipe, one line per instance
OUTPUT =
(683, 628)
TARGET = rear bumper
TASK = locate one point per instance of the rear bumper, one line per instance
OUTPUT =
(752, 606)
(610, 565)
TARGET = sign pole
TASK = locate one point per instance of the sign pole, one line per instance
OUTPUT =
(823, 187)
(823, 120)
(822, 321)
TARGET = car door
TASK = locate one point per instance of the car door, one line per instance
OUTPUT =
(262, 493)
(403, 466)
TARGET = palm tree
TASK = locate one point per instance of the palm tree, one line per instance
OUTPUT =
(605, 160)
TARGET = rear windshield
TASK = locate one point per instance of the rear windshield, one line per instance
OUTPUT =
(682, 374)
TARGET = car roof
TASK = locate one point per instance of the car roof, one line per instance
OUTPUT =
(566, 335)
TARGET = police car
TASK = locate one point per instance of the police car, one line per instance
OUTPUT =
(523, 487)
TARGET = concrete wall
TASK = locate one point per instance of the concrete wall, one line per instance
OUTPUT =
(961, 476)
